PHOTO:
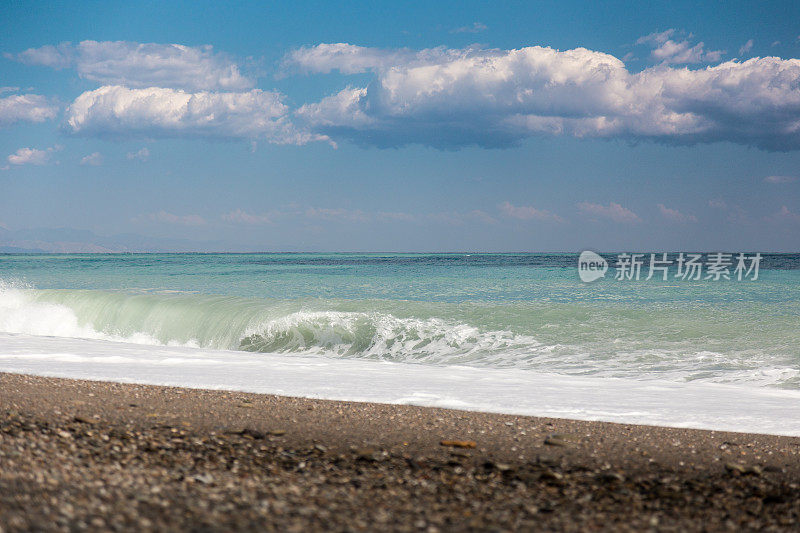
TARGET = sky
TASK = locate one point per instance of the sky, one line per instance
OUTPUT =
(418, 126)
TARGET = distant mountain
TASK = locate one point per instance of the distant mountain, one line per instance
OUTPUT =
(67, 240)
(16, 250)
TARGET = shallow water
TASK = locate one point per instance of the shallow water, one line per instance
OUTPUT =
(504, 333)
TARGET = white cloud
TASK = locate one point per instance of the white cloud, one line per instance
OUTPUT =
(674, 215)
(238, 216)
(452, 98)
(142, 64)
(524, 212)
(170, 218)
(29, 156)
(141, 155)
(746, 47)
(670, 51)
(612, 211)
(32, 156)
(94, 159)
(780, 179)
(25, 107)
(475, 27)
(157, 112)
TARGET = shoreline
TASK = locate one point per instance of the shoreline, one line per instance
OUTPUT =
(699, 405)
(262, 453)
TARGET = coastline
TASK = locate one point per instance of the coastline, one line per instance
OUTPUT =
(150, 457)
(659, 402)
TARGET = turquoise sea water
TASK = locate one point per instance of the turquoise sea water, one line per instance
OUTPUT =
(527, 311)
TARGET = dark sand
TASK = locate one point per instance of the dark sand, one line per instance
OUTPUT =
(78, 455)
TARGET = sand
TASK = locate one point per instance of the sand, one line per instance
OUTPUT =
(80, 455)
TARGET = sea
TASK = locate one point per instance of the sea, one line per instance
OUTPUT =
(510, 333)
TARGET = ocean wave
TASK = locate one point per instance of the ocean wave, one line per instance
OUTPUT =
(744, 345)
(234, 323)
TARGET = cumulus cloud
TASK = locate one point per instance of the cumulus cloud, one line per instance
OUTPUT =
(159, 112)
(239, 216)
(32, 156)
(94, 159)
(524, 212)
(475, 27)
(612, 211)
(25, 107)
(780, 179)
(142, 64)
(495, 98)
(669, 51)
(170, 218)
(141, 155)
(674, 215)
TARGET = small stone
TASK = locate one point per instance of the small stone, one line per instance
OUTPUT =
(369, 454)
(560, 439)
(253, 434)
(609, 477)
(459, 443)
(754, 470)
(205, 479)
(550, 475)
(734, 467)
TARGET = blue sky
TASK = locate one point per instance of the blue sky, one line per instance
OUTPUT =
(550, 126)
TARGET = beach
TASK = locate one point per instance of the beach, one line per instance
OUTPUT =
(423, 267)
(86, 455)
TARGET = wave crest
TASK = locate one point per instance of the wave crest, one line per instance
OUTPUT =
(381, 336)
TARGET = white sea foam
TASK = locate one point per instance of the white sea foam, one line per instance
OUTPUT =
(21, 312)
(514, 391)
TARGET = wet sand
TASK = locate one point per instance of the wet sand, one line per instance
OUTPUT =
(80, 455)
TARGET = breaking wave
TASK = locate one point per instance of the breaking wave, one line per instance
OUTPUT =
(235, 323)
(709, 344)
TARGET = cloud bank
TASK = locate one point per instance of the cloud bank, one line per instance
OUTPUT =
(453, 98)
(439, 97)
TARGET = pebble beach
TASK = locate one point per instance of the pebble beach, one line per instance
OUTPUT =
(97, 456)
